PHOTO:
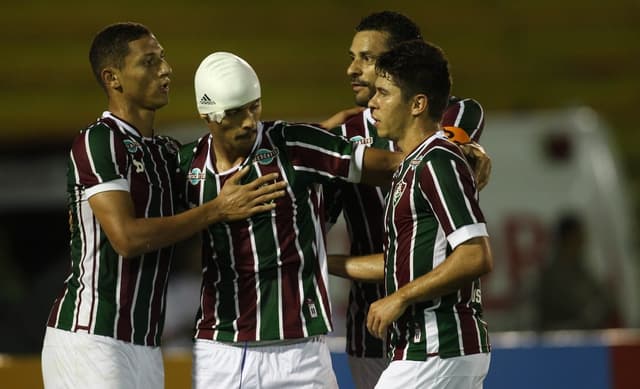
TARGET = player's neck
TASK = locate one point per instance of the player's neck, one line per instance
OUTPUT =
(141, 119)
(225, 157)
(416, 133)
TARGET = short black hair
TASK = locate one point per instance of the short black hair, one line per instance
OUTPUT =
(111, 45)
(419, 67)
(399, 27)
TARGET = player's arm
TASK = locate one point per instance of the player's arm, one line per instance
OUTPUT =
(340, 117)
(479, 161)
(468, 261)
(379, 165)
(367, 268)
(131, 236)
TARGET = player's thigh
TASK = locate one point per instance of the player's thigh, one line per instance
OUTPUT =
(216, 365)
(466, 372)
(365, 372)
(74, 360)
(301, 365)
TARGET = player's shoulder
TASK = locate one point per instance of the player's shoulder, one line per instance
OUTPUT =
(440, 148)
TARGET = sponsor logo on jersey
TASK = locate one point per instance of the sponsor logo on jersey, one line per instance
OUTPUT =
(196, 175)
(398, 191)
(131, 145)
(360, 140)
(264, 156)
(206, 100)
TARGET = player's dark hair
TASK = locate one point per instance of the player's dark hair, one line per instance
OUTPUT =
(399, 27)
(111, 45)
(418, 67)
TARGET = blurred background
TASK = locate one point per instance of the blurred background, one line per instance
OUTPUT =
(558, 79)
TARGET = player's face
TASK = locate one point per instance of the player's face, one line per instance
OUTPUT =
(389, 109)
(366, 47)
(238, 130)
(143, 80)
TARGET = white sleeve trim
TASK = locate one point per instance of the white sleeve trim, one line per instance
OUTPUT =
(357, 160)
(467, 232)
(118, 184)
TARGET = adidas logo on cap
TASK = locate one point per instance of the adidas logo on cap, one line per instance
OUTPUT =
(206, 100)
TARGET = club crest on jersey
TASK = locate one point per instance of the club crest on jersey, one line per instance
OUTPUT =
(360, 140)
(131, 145)
(196, 175)
(398, 191)
(264, 156)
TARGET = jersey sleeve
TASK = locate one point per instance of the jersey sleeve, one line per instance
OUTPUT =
(466, 114)
(99, 159)
(447, 184)
(322, 155)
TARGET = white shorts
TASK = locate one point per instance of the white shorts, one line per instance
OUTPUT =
(78, 360)
(467, 372)
(306, 364)
(365, 372)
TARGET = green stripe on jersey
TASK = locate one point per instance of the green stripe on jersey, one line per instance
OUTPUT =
(441, 163)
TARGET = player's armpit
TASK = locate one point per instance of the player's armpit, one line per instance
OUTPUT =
(480, 162)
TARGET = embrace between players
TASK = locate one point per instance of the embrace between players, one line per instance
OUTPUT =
(253, 190)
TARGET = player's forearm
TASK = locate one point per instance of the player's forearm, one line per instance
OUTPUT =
(143, 235)
(369, 268)
(379, 165)
(466, 263)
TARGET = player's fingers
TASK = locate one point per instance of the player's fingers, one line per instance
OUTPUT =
(235, 179)
(263, 180)
(269, 197)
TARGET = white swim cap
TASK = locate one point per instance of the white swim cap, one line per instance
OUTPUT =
(224, 81)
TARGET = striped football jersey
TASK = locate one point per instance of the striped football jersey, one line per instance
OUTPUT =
(431, 208)
(106, 294)
(265, 278)
(362, 207)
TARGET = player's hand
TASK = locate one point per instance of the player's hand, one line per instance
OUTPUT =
(340, 117)
(383, 313)
(238, 201)
(480, 162)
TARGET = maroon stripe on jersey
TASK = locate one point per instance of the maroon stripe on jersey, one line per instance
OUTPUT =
(130, 268)
(291, 261)
(209, 300)
(470, 338)
(163, 176)
(403, 247)
(450, 115)
(95, 255)
(469, 189)
(159, 290)
(318, 160)
(119, 149)
(247, 295)
(319, 210)
(81, 158)
(355, 125)
(427, 182)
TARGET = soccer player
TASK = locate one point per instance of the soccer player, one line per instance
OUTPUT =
(362, 205)
(264, 307)
(104, 328)
(436, 243)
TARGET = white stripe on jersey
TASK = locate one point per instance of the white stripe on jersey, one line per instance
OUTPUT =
(464, 194)
(431, 328)
(90, 229)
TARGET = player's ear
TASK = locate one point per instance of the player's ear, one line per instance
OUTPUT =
(110, 78)
(420, 104)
